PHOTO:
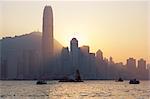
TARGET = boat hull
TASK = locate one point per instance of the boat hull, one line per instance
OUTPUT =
(69, 81)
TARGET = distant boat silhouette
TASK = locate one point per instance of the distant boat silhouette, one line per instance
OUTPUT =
(41, 82)
(134, 81)
(119, 80)
(77, 78)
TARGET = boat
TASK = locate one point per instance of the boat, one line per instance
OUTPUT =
(41, 82)
(134, 81)
(119, 80)
(70, 80)
(76, 79)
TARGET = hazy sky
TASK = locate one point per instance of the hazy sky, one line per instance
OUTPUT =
(118, 28)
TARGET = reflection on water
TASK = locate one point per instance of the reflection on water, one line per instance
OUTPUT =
(78, 90)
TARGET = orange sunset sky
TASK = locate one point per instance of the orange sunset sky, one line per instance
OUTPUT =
(119, 28)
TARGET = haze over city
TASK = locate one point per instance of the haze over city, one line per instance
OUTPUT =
(74, 49)
(120, 29)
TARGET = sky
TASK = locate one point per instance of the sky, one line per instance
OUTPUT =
(119, 28)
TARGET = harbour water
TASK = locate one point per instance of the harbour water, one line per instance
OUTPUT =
(96, 89)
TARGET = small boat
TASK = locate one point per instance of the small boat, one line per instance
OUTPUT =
(41, 82)
(70, 80)
(134, 81)
(119, 80)
(76, 79)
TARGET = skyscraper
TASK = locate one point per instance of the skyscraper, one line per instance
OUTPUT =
(65, 61)
(99, 55)
(84, 58)
(84, 49)
(74, 52)
(47, 36)
(131, 64)
(142, 64)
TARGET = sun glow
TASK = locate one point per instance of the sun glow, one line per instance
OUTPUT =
(119, 29)
(82, 39)
(65, 39)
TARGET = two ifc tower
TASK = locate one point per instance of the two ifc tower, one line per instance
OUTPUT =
(47, 35)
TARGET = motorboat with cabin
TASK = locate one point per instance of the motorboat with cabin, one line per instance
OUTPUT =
(134, 81)
(41, 82)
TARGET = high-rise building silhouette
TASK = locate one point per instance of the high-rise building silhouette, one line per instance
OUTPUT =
(84, 58)
(74, 52)
(99, 55)
(65, 61)
(85, 49)
(142, 64)
(131, 63)
(4, 69)
(47, 36)
(148, 67)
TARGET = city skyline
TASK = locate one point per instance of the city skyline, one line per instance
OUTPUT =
(112, 44)
(75, 49)
(32, 56)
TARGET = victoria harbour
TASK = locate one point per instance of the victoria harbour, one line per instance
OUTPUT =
(95, 89)
(75, 49)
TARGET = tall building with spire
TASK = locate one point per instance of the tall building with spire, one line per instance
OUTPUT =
(47, 35)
